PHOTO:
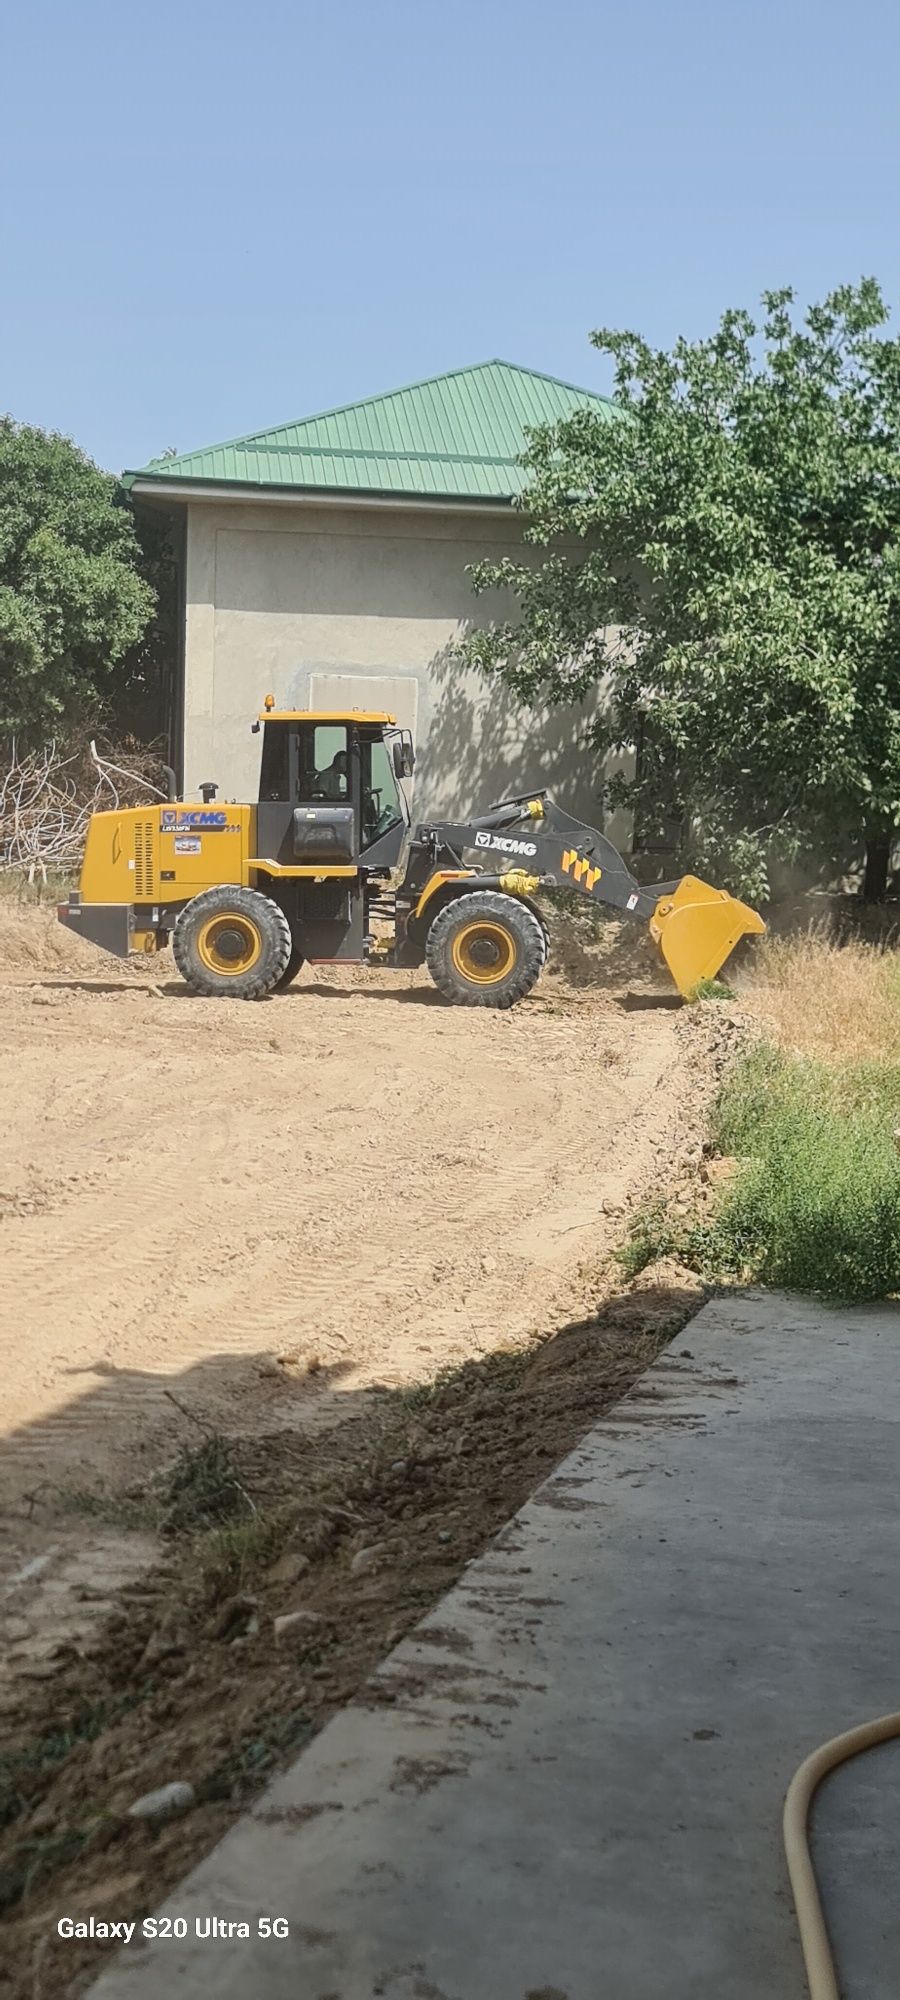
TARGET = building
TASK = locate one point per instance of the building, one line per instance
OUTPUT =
(326, 562)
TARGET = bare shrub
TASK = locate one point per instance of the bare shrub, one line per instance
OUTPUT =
(47, 797)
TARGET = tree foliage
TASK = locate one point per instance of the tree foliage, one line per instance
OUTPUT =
(725, 557)
(142, 694)
(72, 599)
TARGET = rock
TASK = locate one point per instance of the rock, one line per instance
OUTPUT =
(235, 1616)
(718, 1172)
(161, 1645)
(289, 1568)
(368, 1559)
(165, 1803)
(292, 1623)
(444, 1535)
(399, 1467)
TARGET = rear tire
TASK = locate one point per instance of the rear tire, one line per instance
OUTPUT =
(290, 971)
(485, 949)
(232, 943)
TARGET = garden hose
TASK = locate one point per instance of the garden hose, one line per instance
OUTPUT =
(821, 1972)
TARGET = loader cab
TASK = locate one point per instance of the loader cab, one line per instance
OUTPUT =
(331, 789)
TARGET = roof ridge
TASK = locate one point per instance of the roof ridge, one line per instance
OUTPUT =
(383, 396)
(394, 451)
(559, 381)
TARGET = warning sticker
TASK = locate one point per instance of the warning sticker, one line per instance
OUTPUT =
(185, 846)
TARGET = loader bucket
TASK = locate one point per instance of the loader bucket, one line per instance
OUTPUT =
(697, 927)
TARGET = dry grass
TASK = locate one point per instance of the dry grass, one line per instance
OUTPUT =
(818, 995)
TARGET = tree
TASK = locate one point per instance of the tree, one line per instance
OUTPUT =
(72, 600)
(143, 695)
(724, 556)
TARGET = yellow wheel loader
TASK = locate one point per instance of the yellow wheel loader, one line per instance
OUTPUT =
(247, 893)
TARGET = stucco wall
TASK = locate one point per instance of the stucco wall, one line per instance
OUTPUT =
(279, 597)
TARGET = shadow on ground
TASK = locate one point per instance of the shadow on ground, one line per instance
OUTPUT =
(362, 1528)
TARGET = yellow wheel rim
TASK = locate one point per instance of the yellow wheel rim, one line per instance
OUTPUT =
(483, 953)
(229, 944)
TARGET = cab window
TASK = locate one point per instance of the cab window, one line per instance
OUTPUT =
(274, 777)
(323, 764)
(380, 797)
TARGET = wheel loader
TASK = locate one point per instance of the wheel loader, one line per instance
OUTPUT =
(248, 893)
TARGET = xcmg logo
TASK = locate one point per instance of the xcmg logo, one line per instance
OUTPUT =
(503, 846)
(192, 822)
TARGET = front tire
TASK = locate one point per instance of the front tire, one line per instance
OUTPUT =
(232, 943)
(485, 949)
(291, 970)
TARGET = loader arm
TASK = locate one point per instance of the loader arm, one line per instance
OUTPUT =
(529, 843)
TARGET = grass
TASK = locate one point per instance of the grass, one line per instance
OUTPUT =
(811, 1116)
(15, 886)
(250, 1760)
(230, 1558)
(650, 1235)
(20, 1764)
(819, 995)
(128, 1509)
(204, 1489)
(712, 989)
(37, 1857)
(815, 1205)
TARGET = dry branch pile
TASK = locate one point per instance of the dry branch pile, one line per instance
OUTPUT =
(47, 798)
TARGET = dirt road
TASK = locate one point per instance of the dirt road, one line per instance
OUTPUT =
(264, 1209)
(218, 1218)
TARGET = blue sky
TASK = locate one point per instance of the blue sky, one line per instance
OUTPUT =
(217, 217)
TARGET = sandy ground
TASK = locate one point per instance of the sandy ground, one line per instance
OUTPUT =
(287, 1224)
(266, 1208)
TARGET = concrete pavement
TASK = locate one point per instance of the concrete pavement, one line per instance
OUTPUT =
(567, 1784)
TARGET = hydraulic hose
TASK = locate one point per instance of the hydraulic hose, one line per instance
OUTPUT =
(821, 1972)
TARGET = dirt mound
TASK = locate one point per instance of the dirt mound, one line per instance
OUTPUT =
(592, 949)
(31, 940)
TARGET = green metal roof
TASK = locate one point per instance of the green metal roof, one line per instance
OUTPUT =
(456, 436)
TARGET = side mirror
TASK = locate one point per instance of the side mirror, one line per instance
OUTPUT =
(404, 756)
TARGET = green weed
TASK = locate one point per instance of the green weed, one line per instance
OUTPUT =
(251, 1759)
(27, 1762)
(815, 1205)
(230, 1558)
(650, 1235)
(204, 1488)
(712, 989)
(128, 1509)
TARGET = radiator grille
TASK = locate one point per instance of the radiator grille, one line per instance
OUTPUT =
(143, 861)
